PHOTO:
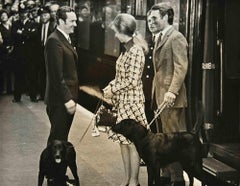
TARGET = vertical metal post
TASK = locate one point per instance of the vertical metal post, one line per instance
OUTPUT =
(208, 68)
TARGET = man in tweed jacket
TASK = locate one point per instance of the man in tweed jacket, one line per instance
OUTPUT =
(170, 67)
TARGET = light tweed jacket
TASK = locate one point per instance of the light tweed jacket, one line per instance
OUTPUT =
(170, 67)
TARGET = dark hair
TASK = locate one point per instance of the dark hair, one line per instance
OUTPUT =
(44, 9)
(62, 12)
(3, 11)
(163, 9)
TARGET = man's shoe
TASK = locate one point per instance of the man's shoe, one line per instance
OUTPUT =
(178, 183)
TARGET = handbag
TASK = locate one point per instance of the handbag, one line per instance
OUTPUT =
(105, 117)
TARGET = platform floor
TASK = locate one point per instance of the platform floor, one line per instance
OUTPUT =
(24, 128)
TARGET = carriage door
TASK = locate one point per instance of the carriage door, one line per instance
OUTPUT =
(227, 127)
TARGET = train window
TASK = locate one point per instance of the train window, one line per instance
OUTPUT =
(130, 7)
(93, 33)
(141, 27)
(82, 30)
(141, 8)
(112, 45)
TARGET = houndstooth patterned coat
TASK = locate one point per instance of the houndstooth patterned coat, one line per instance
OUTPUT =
(128, 98)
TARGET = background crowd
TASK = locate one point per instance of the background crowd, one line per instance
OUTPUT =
(24, 28)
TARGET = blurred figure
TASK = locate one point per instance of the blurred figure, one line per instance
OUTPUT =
(126, 91)
(6, 49)
(82, 32)
(33, 14)
(45, 29)
(62, 78)
(20, 29)
(14, 16)
(53, 12)
(32, 60)
(83, 13)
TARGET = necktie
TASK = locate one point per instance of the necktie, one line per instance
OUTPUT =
(160, 37)
(153, 39)
(43, 34)
(69, 40)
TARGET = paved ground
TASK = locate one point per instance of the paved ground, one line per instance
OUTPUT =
(24, 128)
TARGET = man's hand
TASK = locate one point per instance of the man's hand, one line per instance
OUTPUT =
(169, 99)
(70, 106)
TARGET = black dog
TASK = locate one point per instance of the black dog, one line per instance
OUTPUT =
(54, 160)
(159, 150)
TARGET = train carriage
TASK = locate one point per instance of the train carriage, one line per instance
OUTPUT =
(212, 31)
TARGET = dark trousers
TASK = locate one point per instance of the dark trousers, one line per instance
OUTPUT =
(42, 81)
(32, 81)
(61, 122)
(20, 82)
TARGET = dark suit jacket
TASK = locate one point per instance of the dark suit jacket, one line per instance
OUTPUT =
(170, 67)
(21, 40)
(61, 66)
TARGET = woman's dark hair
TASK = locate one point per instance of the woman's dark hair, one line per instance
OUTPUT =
(62, 13)
(164, 9)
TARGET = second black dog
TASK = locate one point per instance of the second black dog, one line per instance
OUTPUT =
(159, 150)
(54, 160)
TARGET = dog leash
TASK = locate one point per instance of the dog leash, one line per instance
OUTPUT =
(158, 112)
(95, 112)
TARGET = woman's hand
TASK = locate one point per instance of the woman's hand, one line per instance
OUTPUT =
(107, 92)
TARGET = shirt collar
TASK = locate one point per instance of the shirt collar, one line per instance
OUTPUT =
(129, 44)
(46, 24)
(65, 35)
(165, 30)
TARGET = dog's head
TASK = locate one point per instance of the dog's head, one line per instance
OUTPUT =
(131, 129)
(58, 150)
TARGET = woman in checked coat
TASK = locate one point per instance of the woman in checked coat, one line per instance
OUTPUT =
(126, 91)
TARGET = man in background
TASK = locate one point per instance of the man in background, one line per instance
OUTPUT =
(45, 29)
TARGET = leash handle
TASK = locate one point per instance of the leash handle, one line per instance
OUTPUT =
(158, 112)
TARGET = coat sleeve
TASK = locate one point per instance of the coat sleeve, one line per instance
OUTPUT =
(180, 62)
(54, 60)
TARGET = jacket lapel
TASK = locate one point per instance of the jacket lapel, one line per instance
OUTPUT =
(164, 39)
(68, 45)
